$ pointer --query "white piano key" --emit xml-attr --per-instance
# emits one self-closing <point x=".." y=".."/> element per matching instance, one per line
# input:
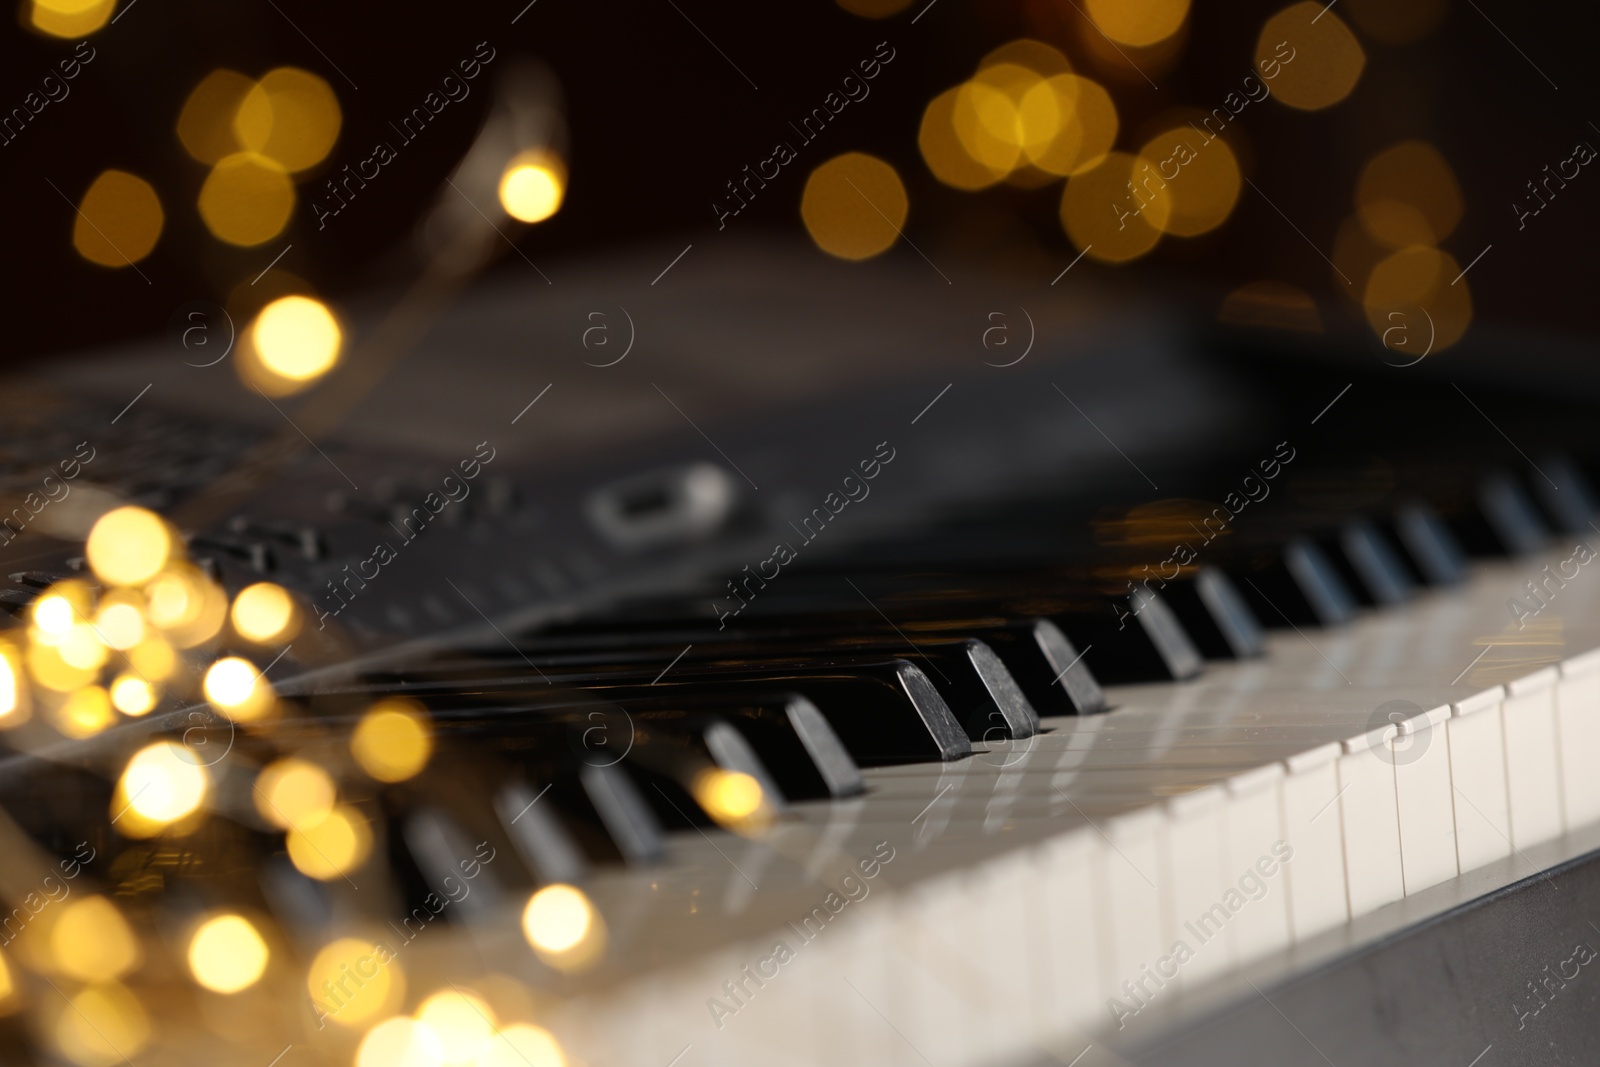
<point x="1134" y="901"/>
<point x="1371" y="816"/>
<point x="1533" y="770"/>
<point x="1074" y="947"/>
<point x="1478" y="779"/>
<point x="1421" y="756"/>
<point x="1578" y="737"/>
<point x="1253" y="822"/>
<point x="1000" y="891"/>
<point x="1197" y="857"/>
<point x="1312" y="828"/>
<point x="941" y="1017"/>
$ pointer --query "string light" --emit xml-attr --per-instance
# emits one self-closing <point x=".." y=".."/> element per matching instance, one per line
<point x="563" y="927"/>
<point x="392" y="742"/>
<point x="227" y="954"/>
<point x="128" y="546"/>
<point x="533" y="186"/>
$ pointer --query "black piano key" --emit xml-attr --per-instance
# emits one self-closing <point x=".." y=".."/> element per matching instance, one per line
<point x="630" y="822"/>
<point x="1371" y="565"/>
<point x="1298" y="586"/>
<point x="539" y="836"/>
<point x="1566" y="495"/>
<point x="1504" y="520"/>
<point x="1429" y="544"/>
<point x="1214" y="614"/>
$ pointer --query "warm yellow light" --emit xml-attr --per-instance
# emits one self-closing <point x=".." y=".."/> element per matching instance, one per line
<point x="294" y="793"/>
<point x="246" y="199"/>
<point x="53" y="615"/>
<point x="463" y="1023"/>
<point x="332" y="847"/>
<point x="1085" y="132"/>
<point x="1139" y="23"/>
<point x="943" y="150"/>
<point x="163" y="783"/>
<point x="351" y="980"/>
<point x="185" y="603"/>
<point x="119" y="220"/>
<point x="854" y="206"/>
<point x="1202" y="177"/>
<point x="91" y="941"/>
<point x="46" y="666"/>
<point x="205" y="125"/>
<point x="85" y="712"/>
<point x="234" y="687"/>
<point x="120" y="624"/>
<point x="532" y="186"/>
<point x="296" y="337"/>
<point x="153" y="659"/>
<point x="1408" y="195"/>
<point x="1113" y="213"/>
<point x="128" y="546"/>
<point x="102" y="1025"/>
<point x="172" y="599"/>
<point x="290" y="116"/>
<point x="523" y="1045"/>
<point x="1315" y="56"/>
<point x="1412" y="305"/>
<point x="71" y="18"/>
<point x="227" y="954"/>
<point x="80" y="647"/>
<point x="734" y="799"/>
<point x="400" y="1042"/>
<point x="392" y="742"/>
<point x="13" y="690"/>
<point x="8" y="986"/>
<point x="563" y="927"/>
<point x="132" y="695"/>
<point x="264" y="612"/>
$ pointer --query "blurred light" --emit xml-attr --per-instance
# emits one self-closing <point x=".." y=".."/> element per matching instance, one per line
<point x="986" y="120"/>
<point x="81" y="647"/>
<point x="1088" y="126"/>
<point x="1411" y="304"/>
<point x="290" y="116"/>
<point x="264" y="612"/>
<point x="53" y="615"/>
<point x="463" y="1023"/>
<point x="102" y="1025"/>
<point x="119" y="623"/>
<point x="294" y="793"/>
<point x="185" y="603"/>
<point x="943" y="151"/>
<point x="246" y="199"/>
<point x="854" y="206"/>
<point x="132" y="695"/>
<point x="13" y="689"/>
<point x="1271" y="305"/>
<point x="297" y="338"/>
<point x="8" y="986"/>
<point x="1101" y="212"/>
<point x="522" y="1045"/>
<point x="1202" y="178"/>
<point x="1323" y="60"/>
<point x="234" y="687"/>
<point x="393" y="741"/>
<point x="1041" y="58"/>
<point x="1355" y="253"/>
<point x="874" y="9"/>
<point x="563" y="927"/>
<point x="352" y="980"/>
<point x="118" y="221"/>
<point x="1396" y="21"/>
<point x="162" y="784"/>
<point x="734" y="799"/>
<point x="71" y="18"/>
<point x="400" y="1042"/>
<point x="1408" y="195"/>
<point x="205" y="125"/>
<point x="46" y="666"/>
<point x="128" y="546"/>
<point x="153" y="659"/>
<point x="333" y="846"/>
<point x="1139" y="23"/>
<point x="92" y="942"/>
<point x="227" y="954"/>
<point x="85" y="712"/>
<point x="532" y="186"/>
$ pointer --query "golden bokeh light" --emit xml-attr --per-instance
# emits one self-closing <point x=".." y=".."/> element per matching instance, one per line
<point x="291" y="117"/>
<point x="227" y="954"/>
<point x="8" y="987"/>
<point x="1416" y="301"/>
<point x="854" y="206"/>
<point x="1408" y="195"/>
<point x="132" y="695"/>
<point x="563" y="927"/>
<point x="1271" y="305"/>
<point x="189" y="606"/>
<point x="393" y="740"/>
<point x="128" y="546"/>
<point x="296" y="338"/>
<point x="234" y="687"/>
<point x="293" y="793"/>
<point x="331" y="847"/>
<point x="120" y="622"/>
<point x="352" y="980"/>
<point x="401" y="1042"/>
<point x="943" y="151"/>
<point x="463" y="1022"/>
<point x="246" y="199"/>
<point x="154" y="659"/>
<point x="102" y="1025"/>
<point x="532" y="186"/>
<point x="264" y="612"/>
<point x="1396" y="21"/>
<point x="1324" y="60"/>
<point x="14" y="702"/>
<point x="56" y="612"/>
<point x="1139" y="23"/>
<point x="47" y="667"/>
<point x="91" y="941"/>
<point x="874" y="9"/>
<point x="1109" y="217"/>
<point x="85" y="712"/>
<point x="205" y="125"/>
<point x="523" y="1045"/>
<point x="734" y="799"/>
<point x="1088" y="126"/>
<point x="1202" y="178"/>
<point x="70" y="18"/>
<point x="163" y="784"/>
<point x="118" y="221"/>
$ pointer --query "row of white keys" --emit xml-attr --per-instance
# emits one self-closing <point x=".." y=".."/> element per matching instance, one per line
<point x="1577" y="700"/>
